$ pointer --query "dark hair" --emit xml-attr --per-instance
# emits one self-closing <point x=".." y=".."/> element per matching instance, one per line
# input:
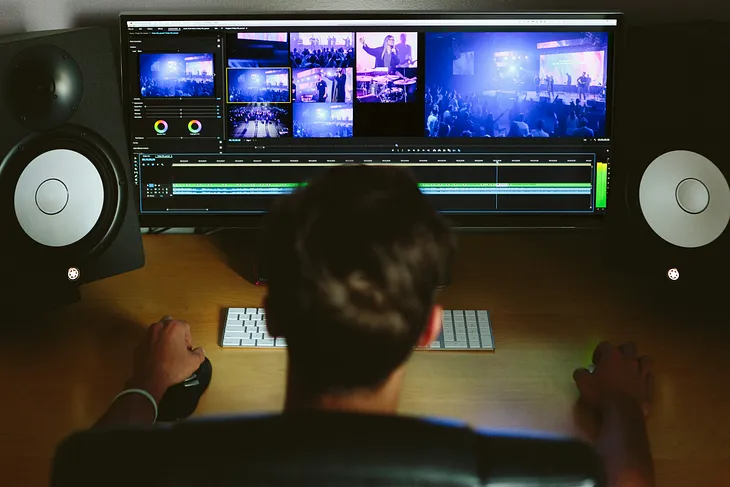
<point x="582" y="122"/>
<point x="354" y="260"/>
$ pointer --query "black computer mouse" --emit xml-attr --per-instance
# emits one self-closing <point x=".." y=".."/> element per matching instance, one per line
<point x="180" y="400"/>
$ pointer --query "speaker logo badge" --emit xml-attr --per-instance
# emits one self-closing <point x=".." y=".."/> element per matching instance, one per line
<point x="73" y="273"/>
<point x="673" y="274"/>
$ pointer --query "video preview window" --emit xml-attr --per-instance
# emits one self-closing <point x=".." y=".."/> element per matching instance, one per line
<point x="259" y="120"/>
<point x="313" y="120"/>
<point x="386" y="67"/>
<point x="322" y="85"/>
<point x="322" y="50"/>
<point x="176" y="75"/>
<point x="516" y="84"/>
<point x="258" y="85"/>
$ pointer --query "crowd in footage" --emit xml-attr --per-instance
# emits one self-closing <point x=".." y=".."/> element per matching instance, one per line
<point x="454" y="114"/>
<point x="325" y="57"/>
<point x="258" y="121"/>
<point x="258" y="95"/>
<point x="329" y="130"/>
<point x="168" y="88"/>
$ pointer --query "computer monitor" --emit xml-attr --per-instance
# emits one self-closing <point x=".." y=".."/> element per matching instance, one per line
<point x="504" y="119"/>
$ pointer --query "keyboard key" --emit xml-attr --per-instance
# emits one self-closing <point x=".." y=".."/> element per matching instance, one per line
<point x="470" y="314"/>
<point x="280" y="342"/>
<point x="252" y="311"/>
<point x="233" y="316"/>
<point x="236" y="334"/>
<point x="435" y="345"/>
<point x="257" y="336"/>
<point x="248" y="343"/>
<point x="455" y="345"/>
<point x="265" y="343"/>
<point x="231" y="342"/>
<point x="474" y="345"/>
<point x="236" y="310"/>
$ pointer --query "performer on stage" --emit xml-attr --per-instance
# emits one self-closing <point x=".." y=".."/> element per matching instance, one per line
<point x="385" y="56"/>
<point x="338" y="85"/>
<point x="321" y="89"/>
<point x="550" y="86"/>
<point x="537" y="85"/>
<point x="583" y="83"/>
<point x="405" y="52"/>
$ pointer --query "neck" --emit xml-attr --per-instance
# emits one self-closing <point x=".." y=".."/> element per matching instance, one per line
<point x="383" y="400"/>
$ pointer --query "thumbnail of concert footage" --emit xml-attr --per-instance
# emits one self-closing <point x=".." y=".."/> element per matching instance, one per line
<point x="176" y="75"/>
<point x="516" y="84"/>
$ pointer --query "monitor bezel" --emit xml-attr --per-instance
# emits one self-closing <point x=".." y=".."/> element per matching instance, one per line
<point x="488" y="221"/>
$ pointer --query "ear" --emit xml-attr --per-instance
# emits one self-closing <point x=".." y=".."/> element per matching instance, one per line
<point x="433" y="328"/>
<point x="271" y="322"/>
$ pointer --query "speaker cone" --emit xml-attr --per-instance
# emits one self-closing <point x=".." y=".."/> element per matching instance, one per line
<point x="685" y="199"/>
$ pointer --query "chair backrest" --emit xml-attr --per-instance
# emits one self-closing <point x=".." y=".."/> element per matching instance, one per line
<point x="320" y="450"/>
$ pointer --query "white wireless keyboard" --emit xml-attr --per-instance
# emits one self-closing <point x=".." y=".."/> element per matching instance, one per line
<point x="462" y="330"/>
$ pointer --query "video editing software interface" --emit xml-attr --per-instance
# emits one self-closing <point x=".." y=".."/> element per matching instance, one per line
<point x="492" y="114"/>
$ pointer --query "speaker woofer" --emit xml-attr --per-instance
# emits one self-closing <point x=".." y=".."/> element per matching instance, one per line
<point x="46" y="86"/>
<point x="685" y="199"/>
<point x="63" y="193"/>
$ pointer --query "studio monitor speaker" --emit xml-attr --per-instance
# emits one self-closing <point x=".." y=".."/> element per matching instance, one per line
<point x="67" y="212"/>
<point x="669" y="209"/>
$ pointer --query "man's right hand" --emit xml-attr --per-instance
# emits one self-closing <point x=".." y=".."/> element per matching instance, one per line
<point x="619" y="374"/>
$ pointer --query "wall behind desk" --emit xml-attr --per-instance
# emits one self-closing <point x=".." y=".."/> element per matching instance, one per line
<point x="29" y="15"/>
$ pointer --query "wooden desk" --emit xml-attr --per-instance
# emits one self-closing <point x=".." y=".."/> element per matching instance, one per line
<point x="550" y="301"/>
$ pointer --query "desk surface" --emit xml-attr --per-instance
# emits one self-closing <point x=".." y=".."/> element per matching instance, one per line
<point x="550" y="300"/>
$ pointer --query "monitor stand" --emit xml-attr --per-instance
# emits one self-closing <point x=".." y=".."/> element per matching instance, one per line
<point x="241" y="246"/>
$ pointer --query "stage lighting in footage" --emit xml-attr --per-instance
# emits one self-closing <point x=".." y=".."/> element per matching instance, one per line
<point x="257" y="49"/>
<point x="516" y="84"/>
<point x="258" y="121"/>
<point x="386" y="67"/>
<point x="315" y="120"/>
<point x="258" y="85"/>
<point x="176" y="75"/>
<point x="322" y="50"/>
<point x="322" y="85"/>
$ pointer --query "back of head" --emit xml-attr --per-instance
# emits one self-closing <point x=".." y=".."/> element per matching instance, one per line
<point x="354" y="260"/>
